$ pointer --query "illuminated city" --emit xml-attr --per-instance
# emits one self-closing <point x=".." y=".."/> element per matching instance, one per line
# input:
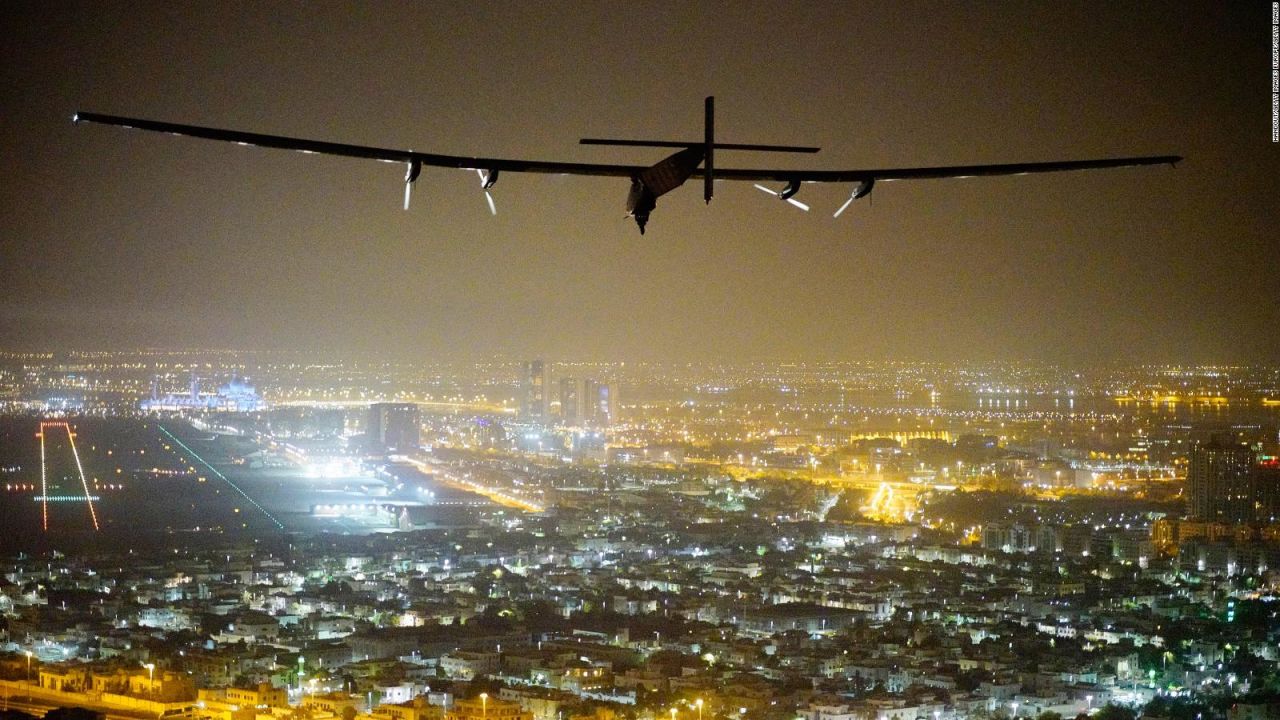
<point x="592" y="360"/>
<point x="758" y="541"/>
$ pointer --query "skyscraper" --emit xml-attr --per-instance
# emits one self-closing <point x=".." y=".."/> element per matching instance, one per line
<point x="533" y="391"/>
<point x="597" y="402"/>
<point x="1220" y="481"/>
<point x="394" y="427"/>
<point x="570" y="401"/>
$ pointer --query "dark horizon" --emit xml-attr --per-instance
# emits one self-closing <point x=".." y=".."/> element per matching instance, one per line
<point x="119" y="240"/>
<point x="516" y="356"/>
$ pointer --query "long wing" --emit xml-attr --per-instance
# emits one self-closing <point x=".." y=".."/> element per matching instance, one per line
<point x="364" y="152"/>
<point x="551" y="167"/>
<point x="934" y="173"/>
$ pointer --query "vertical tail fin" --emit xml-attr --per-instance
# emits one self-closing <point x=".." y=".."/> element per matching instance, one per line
<point x="708" y="188"/>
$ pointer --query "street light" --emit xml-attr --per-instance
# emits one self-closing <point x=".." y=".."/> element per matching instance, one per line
<point x="151" y="678"/>
<point x="28" y="676"/>
<point x="673" y="714"/>
<point x="484" y="704"/>
<point x="698" y="702"/>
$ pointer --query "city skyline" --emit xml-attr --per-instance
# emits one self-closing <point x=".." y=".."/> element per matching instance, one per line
<point x="119" y="241"/>
<point x="231" y="536"/>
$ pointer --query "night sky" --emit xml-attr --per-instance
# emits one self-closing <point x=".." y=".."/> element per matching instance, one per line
<point x="115" y="239"/>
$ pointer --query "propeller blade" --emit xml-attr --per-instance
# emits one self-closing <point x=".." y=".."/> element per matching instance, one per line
<point x="798" y="204"/>
<point x="408" y="192"/>
<point x="482" y="177"/>
<point x="493" y="209"/>
<point x="771" y="191"/>
<point x="846" y="204"/>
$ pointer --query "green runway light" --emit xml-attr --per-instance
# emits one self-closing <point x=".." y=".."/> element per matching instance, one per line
<point x="220" y="476"/>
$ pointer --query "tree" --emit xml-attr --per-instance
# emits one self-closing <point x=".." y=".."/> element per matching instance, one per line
<point x="969" y="680"/>
<point x="1177" y="709"/>
<point x="1111" y="711"/>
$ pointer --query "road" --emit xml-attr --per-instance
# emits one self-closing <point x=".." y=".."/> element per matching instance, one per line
<point x="39" y="706"/>
<point x="447" y="477"/>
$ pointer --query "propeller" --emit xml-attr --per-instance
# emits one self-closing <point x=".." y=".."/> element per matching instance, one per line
<point x="863" y="189"/>
<point x="848" y="203"/>
<point x="410" y="177"/>
<point x="487" y="179"/>
<point x="785" y="194"/>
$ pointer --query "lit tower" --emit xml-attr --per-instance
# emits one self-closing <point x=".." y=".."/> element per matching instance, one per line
<point x="1219" y="481"/>
<point x="597" y="402"/>
<point x="533" y="391"/>
<point x="394" y="427"/>
<point x="570" y="401"/>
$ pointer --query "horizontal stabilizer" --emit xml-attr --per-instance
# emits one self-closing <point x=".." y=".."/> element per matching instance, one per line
<point x="718" y="146"/>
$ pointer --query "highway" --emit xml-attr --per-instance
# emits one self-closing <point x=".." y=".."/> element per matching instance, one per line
<point x="445" y="476"/>
<point x="13" y="699"/>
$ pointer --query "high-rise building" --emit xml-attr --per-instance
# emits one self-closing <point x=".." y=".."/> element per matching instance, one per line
<point x="597" y="402"/>
<point x="394" y="427"/>
<point x="1266" y="491"/>
<point x="570" y="401"/>
<point x="533" y="391"/>
<point x="1220" y="481"/>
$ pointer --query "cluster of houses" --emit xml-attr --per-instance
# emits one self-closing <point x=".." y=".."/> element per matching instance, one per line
<point x="646" y="610"/>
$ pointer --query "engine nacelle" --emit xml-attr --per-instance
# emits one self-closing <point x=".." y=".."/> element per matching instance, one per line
<point x="411" y="174"/>
<point x="640" y="202"/>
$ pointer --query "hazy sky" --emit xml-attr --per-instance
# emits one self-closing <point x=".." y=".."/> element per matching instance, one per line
<point x="119" y="239"/>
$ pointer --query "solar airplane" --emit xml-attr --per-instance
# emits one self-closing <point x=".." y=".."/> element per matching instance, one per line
<point x="693" y="159"/>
